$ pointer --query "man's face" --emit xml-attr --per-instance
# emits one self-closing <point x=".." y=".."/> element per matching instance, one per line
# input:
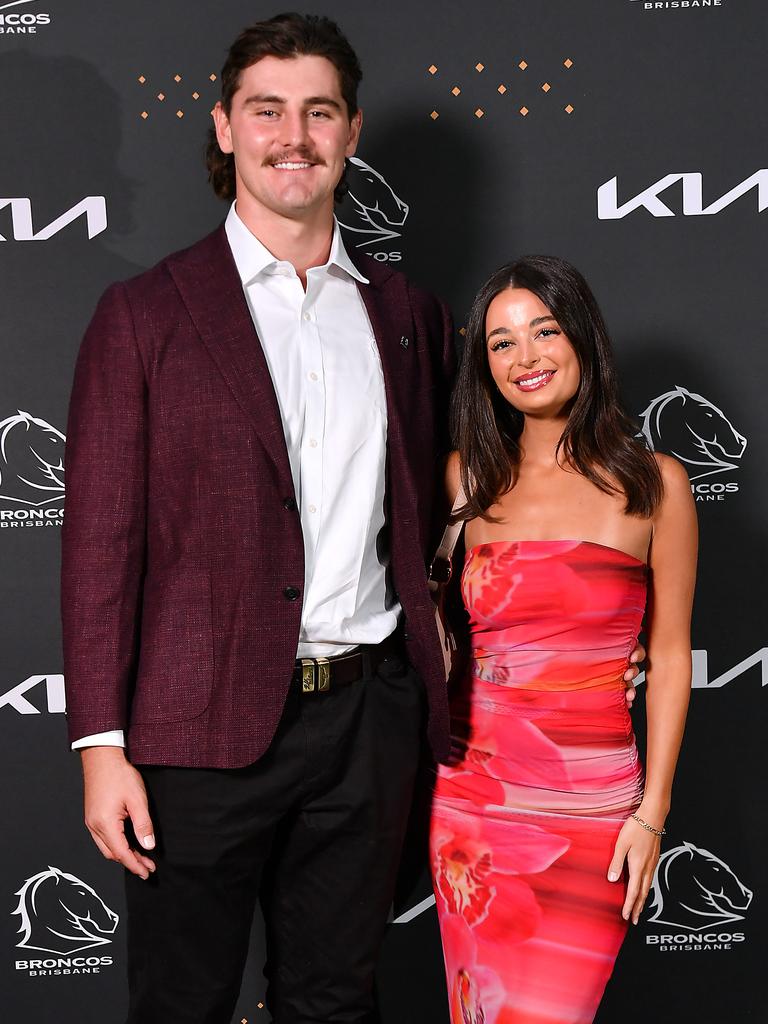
<point x="289" y="131"/>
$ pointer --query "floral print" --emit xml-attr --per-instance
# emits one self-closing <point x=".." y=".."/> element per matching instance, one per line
<point x="545" y="773"/>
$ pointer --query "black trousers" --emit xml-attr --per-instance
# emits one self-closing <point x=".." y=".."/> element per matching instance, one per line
<point x="314" y="827"/>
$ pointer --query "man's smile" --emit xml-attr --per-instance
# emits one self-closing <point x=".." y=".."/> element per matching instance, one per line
<point x="292" y="165"/>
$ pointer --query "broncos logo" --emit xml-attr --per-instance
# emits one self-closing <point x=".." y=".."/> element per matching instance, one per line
<point x="31" y="460"/>
<point x="694" y="890"/>
<point x="370" y="208"/>
<point x="61" y="914"/>
<point x="694" y="431"/>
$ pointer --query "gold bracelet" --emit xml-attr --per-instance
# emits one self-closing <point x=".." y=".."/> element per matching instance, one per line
<point x="656" y="831"/>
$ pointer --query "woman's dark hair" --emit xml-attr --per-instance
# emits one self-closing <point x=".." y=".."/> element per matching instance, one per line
<point x="284" y="36"/>
<point x="599" y="438"/>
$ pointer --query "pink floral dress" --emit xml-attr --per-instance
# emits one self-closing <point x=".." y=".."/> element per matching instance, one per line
<point x="546" y="772"/>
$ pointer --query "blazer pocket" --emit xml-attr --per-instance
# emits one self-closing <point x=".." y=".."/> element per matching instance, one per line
<point x="175" y="677"/>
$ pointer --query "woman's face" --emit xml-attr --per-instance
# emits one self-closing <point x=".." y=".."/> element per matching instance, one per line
<point x="531" y="359"/>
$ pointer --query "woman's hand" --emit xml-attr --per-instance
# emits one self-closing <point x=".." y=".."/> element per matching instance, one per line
<point x="640" y="849"/>
<point x="633" y="672"/>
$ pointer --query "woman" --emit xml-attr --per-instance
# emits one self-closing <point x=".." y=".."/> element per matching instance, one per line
<point x="545" y="835"/>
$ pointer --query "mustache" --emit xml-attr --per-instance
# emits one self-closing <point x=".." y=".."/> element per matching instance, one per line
<point x="297" y="156"/>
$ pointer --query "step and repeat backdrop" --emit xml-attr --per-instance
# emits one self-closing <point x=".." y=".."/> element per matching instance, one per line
<point x="626" y="136"/>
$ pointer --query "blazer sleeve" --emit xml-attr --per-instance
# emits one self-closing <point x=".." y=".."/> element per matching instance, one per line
<point x="446" y="381"/>
<point x="444" y="375"/>
<point x="103" y="537"/>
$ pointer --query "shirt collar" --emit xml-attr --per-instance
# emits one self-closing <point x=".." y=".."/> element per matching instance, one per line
<point x="340" y="257"/>
<point x="252" y="257"/>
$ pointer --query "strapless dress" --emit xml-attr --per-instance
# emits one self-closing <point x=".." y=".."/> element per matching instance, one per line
<point x="545" y="772"/>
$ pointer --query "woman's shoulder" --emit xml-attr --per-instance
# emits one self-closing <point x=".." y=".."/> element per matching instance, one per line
<point x="673" y="474"/>
<point x="677" y="497"/>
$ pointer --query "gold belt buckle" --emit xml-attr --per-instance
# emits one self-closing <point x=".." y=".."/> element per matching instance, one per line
<point x="315" y="671"/>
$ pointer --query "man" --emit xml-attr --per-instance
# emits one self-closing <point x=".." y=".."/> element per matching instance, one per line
<point x="252" y="450"/>
<point x="242" y="491"/>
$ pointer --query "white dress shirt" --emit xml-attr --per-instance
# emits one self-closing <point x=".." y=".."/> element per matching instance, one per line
<point x="325" y="368"/>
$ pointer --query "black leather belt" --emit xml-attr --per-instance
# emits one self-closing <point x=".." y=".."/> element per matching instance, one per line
<point x="320" y="675"/>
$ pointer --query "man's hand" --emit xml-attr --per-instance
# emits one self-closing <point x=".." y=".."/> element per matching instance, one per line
<point x="114" y="792"/>
<point x="633" y="672"/>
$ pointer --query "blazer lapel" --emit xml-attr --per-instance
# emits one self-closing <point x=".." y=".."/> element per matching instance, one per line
<point x="210" y="287"/>
<point x="388" y="306"/>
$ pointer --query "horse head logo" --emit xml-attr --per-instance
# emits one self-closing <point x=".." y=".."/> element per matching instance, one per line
<point x="694" y="890"/>
<point x="371" y="207"/>
<point x="61" y="914"/>
<point x="31" y="460"/>
<point x="694" y="431"/>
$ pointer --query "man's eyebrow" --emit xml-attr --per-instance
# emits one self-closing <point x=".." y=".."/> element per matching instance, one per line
<point x="263" y="98"/>
<point x="310" y="101"/>
<point x="322" y="101"/>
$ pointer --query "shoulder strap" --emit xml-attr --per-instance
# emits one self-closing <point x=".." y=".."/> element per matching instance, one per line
<point x="441" y="568"/>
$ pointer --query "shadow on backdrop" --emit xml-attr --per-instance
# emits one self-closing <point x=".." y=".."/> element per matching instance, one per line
<point x="440" y="233"/>
<point x="61" y="130"/>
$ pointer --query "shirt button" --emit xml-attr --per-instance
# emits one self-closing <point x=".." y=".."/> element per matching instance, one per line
<point x="289" y="504"/>
<point x="290" y="593"/>
<point x="307" y="316"/>
<point x="313" y="376"/>
<point x="312" y="443"/>
<point x="313" y="508"/>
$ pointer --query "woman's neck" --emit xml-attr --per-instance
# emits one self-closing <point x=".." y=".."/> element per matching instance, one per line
<point x="539" y="441"/>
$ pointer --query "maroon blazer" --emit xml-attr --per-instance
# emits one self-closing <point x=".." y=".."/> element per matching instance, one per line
<point x="182" y="545"/>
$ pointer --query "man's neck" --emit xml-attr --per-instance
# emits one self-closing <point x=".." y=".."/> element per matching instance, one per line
<point x="302" y="242"/>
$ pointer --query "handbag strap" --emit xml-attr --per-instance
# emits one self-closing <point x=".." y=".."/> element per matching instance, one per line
<point x="437" y="578"/>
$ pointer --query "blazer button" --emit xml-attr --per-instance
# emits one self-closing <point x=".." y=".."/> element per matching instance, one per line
<point x="290" y="593"/>
<point x="289" y="504"/>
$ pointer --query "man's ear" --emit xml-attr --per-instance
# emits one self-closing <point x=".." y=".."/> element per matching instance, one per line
<point x="355" y="127"/>
<point x="223" y="129"/>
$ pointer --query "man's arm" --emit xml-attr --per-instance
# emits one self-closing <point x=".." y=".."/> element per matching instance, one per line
<point x="103" y="558"/>
<point x="447" y="378"/>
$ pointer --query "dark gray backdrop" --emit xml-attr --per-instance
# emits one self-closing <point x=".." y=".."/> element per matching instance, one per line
<point x="611" y="89"/>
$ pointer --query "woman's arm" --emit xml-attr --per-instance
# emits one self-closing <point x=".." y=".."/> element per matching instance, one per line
<point x="668" y="672"/>
<point x="668" y="677"/>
